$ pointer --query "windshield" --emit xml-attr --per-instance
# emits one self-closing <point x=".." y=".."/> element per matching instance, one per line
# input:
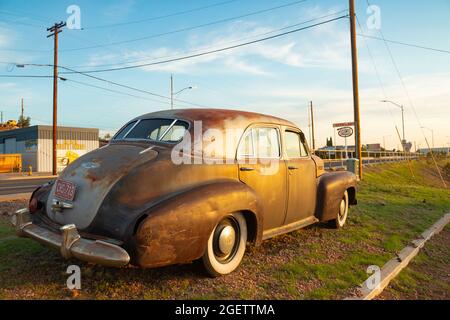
<point x="167" y="130"/>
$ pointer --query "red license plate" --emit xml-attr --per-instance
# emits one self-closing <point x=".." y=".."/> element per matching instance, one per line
<point x="65" y="190"/>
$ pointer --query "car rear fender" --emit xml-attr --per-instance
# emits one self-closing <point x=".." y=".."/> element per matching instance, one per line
<point x="330" y="189"/>
<point x="177" y="230"/>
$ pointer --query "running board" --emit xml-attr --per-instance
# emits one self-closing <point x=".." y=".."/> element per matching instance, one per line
<point x="289" y="227"/>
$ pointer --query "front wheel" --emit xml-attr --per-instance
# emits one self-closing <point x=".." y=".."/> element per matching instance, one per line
<point x="226" y="245"/>
<point x="342" y="214"/>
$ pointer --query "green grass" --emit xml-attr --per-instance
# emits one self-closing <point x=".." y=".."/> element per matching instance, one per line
<point x="393" y="209"/>
<point x="5" y="229"/>
<point x="427" y="275"/>
<point x="314" y="263"/>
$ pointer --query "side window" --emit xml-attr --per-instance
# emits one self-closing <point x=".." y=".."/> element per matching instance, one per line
<point x="303" y="147"/>
<point x="260" y="143"/>
<point x="176" y="133"/>
<point x="293" y="144"/>
<point x="246" y="147"/>
<point x="266" y="142"/>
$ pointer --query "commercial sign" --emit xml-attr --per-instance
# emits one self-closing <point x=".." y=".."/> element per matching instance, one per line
<point x="67" y="152"/>
<point x="343" y="124"/>
<point x="345" y="132"/>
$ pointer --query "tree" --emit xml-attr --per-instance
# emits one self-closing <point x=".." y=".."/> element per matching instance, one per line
<point x="329" y="142"/>
<point x="23" y="122"/>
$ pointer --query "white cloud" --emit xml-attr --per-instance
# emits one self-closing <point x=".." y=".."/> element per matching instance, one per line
<point x="326" y="46"/>
<point x="429" y="93"/>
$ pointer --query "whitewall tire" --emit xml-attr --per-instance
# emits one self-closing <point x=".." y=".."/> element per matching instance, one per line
<point x="226" y="245"/>
<point x="342" y="214"/>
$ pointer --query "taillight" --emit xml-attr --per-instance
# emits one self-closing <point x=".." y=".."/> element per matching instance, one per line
<point x="33" y="205"/>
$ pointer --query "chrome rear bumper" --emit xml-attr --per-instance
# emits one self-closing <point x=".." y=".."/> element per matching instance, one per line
<point x="70" y="243"/>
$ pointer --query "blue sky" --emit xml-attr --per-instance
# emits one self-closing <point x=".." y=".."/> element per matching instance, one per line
<point x="277" y="77"/>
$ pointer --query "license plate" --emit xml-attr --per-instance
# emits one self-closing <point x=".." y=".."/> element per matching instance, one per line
<point x="65" y="190"/>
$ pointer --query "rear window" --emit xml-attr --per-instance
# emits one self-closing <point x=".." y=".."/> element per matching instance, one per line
<point x="167" y="130"/>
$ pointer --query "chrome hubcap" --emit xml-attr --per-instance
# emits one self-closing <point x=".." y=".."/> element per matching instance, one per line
<point x="226" y="240"/>
<point x="227" y="237"/>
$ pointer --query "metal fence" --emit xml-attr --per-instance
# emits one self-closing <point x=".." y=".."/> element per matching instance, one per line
<point x="337" y="159"/>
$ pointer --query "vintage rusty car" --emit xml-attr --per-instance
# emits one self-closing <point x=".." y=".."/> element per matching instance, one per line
<point x="170" y="189"/>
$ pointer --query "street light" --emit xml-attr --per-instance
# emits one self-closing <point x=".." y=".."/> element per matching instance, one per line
<point x="178" y="92"/>
<point x="432" y="135"/>
<point x="384" y="141"/>
<point x="403" y="116"/>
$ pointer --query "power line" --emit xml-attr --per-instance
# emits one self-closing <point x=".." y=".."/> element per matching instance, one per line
<point x="380" y="82"/>
<point x="26" y="50"/>
<point x="86" y="73"/>
<point x="160" y="17"/>
<point x="21" y="15"/>
<point x="110" y="90"/>
<point x="187" y="28"/>
<point x="214" y="51"/>
<point x="160" y="34"/>
<point x="22" y="23"/>
<point x="23" y="76"/>
<point x="73" y="71"/>
<point x="409" y="100"/>
<point x="404" y="43"/>
<point x="212" y="47"/>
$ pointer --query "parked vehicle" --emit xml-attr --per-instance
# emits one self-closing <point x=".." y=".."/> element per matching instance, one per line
<point x="157" y="195"/>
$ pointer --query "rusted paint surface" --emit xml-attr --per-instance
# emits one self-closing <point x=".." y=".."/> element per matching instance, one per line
<point x="330" y="190"/>
<point x="94" y="175"/>
<point x="133" y="194"/>
<point x="176" y="230"/>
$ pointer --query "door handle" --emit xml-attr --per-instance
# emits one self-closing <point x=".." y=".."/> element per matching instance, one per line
<point x="246" y="169"/>
<point x="292" y="168"/>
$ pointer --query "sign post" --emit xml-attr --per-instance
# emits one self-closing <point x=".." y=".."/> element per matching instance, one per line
<point x="345" y="130"/>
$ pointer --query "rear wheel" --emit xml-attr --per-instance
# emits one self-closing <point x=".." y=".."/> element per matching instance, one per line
<point x="226" y="245"/>
<point x="342" y="214"/>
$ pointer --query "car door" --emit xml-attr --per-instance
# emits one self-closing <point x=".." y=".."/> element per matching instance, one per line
<point x="301" y="176"/>
<point x="261" y="168"/>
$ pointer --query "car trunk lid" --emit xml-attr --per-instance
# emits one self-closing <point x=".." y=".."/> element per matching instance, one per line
<point x="93" y="175"/>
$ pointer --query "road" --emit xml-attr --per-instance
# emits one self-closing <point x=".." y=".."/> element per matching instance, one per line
<point x="21" y="185"/>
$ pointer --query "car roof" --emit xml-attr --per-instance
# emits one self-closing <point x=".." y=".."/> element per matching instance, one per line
<point x="218" y="118"/>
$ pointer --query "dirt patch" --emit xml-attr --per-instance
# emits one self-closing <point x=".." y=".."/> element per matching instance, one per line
<point x="7" y="207"/>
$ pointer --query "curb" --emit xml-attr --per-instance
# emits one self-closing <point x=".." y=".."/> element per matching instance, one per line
<point x="28" y="178"/>
<point x="16" y="196"/>
<point x="393" y="267"/>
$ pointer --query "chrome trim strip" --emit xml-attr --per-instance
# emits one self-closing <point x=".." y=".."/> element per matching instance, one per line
<point x="128" y="132"/>
<point x="70" y="243"/>
<point x="289" y="227"/>
<point x="167" y="130"/>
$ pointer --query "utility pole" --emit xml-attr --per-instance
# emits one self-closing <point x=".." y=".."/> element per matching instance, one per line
<point x="54" y="30"/>
<point x="21" y="125"/>
<point x="309" y="127"/>
<point x="403" y="123"/>
<point x="171" y="91"/>
<point x="1" y="121"/>
<point x="312" y="127"/>
<point x="355" y="85"/>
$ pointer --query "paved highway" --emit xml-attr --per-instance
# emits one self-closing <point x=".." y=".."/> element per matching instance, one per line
<point x="21" y="185"/>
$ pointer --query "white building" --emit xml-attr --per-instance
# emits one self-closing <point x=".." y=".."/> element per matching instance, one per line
<point x="35" y="145"/>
